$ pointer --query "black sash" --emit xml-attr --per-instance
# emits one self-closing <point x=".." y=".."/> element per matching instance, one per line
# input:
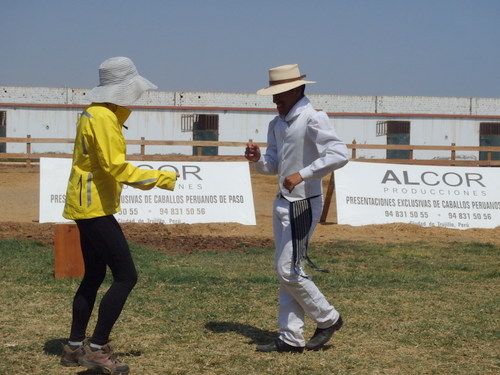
<point x="301" y="222"/>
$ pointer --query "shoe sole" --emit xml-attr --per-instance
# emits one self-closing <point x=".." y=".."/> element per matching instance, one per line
<point x="66" y="363"/>
<point x="280" y="351"/>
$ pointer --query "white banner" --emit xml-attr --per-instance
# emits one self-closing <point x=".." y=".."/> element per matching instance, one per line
<point x="206" y="192"/>
<point x="430" y="196"/>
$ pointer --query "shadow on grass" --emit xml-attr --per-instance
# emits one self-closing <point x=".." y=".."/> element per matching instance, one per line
<point x="55" y="347"/>
<point x="257" y="336"/>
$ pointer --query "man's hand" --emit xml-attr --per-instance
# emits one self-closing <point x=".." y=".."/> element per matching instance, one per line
<point x="292" y="181"/>
<point x="252" y="152"/>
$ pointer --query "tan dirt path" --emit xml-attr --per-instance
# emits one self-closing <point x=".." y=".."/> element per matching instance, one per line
<point x="19" y="196"/>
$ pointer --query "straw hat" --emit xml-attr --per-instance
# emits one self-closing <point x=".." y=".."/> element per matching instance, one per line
<point x="283" y="78"/>
<point x="119" y="83"/>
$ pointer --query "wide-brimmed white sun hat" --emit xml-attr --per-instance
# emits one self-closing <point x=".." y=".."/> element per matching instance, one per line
<point x="284" y="78"/>
<point x="119" y="83"/>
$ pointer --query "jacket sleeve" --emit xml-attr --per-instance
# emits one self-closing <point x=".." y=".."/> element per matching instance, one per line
<point x="268" y="163"/>
<point x="333" y="153"/>
<point x="110" y="149"/>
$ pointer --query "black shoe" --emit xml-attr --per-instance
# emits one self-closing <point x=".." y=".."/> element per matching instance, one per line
<point x="323" y="335"/>
<point x="281" y="347"/>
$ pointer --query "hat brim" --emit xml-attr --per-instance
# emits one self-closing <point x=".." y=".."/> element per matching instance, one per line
<point x="122" y="94"/>
<point x="278" y="89"/>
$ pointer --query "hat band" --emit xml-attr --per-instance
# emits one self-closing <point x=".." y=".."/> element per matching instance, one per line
<point x="274" y="83"/>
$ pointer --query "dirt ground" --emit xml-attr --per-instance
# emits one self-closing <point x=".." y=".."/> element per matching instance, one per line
<point x="19" y="205"/>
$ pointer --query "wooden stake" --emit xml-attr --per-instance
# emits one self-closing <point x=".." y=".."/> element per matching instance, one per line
<point x="328" y="199"/>
<point x="68" y="259"/>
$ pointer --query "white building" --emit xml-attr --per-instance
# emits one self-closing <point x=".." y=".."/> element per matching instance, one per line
<point x="53" y="113"/>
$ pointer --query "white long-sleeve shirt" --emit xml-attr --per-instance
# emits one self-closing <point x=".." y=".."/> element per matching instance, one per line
<point x="303" y="141"/>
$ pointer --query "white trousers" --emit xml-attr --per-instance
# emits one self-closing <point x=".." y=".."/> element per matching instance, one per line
<point x="298" y="294"/>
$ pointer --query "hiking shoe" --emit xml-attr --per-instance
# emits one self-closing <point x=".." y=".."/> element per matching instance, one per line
<point x="71" y="355"/>
<point x="104" y="360"/>
<point x="323" y="335"/>
<point x="279" y="346"/>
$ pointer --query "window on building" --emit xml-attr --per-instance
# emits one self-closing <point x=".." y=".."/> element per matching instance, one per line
<point x="193" y="122"/>
<point x="489" y="135"/>
<point x="187" y="122"/>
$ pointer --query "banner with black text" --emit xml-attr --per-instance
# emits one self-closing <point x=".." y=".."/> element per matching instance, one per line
<point x="430" y="196"/>
<point x="206" y="192"/>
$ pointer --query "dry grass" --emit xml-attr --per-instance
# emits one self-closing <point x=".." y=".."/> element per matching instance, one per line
<point x="414" y="308"/>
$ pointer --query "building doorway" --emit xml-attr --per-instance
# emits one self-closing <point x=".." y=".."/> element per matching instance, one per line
<point x="398" y="133"/>
<point x="3" y="130"/>
<point x="204" y="128"/>
<point x="489" y="135"/>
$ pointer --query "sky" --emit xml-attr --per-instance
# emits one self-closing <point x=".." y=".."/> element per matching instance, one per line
<point x="445" y="48"/>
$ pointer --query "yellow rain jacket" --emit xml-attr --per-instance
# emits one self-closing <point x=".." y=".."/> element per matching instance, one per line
<point x="99" y="168"/>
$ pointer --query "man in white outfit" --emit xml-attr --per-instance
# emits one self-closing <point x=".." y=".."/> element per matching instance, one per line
<point x="302" y="147"/>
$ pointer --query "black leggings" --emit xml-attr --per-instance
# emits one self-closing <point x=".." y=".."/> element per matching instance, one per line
<point x="103" y="244"/>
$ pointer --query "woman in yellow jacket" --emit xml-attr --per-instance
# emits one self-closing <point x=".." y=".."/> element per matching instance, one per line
<point x="93" y="195"/>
